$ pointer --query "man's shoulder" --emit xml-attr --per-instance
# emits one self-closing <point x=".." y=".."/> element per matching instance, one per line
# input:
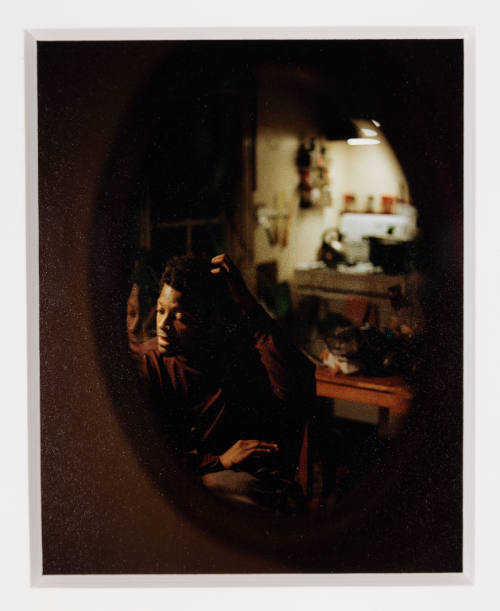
<point x="139" y="350"/>
<point x="157" y="368"/>
<point x="150" y="354"/>
<point x="149" y="345"/>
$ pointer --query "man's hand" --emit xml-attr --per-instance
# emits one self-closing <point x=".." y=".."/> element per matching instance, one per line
<point x="244" y="448"/>
<point x="222" y="264"/>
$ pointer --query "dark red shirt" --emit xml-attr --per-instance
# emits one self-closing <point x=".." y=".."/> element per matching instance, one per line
<point x="256" y="386"/>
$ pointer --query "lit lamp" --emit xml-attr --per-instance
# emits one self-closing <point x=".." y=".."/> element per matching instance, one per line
<point x="366" y="133"/>
<point x="356" y="132"/>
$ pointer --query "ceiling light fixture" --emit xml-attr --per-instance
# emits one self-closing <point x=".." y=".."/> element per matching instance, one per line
<point x="362" y="141"/>
<point x="353" y="131"/>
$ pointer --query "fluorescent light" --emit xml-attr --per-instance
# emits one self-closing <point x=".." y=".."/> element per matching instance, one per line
<point x="376" y="123"/>
<point x="362" y="141"/>
<point x="368" y="132"/>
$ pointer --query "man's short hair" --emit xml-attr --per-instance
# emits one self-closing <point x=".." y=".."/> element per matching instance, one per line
<point x="201" y="290"/>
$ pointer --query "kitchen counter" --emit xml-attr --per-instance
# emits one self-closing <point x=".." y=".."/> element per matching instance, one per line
<point x="330" y="280"/>
<point x="331" y="288"/>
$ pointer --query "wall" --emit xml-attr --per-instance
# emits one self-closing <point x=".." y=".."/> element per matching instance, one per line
<point x="286" y="116"/>
<point x="366" y="170"/>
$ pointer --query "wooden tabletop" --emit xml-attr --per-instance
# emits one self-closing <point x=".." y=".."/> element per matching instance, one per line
<point x="389" y="391"/>
<point x="393" y="384"/>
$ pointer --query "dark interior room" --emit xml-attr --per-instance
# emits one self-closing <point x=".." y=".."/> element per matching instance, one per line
<point x="331" y="173"/>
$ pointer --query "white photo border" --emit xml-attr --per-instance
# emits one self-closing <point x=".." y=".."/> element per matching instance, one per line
<point x="467" y="34"/>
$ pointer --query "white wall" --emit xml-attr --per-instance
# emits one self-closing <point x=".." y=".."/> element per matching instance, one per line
<point x="286" y="116"/>
<point x="366" y="170"/>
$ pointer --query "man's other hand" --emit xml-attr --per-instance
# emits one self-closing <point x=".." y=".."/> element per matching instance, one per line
<point x="244" y="448"/>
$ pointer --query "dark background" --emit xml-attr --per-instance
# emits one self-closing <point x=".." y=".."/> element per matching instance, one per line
<point x="107" y="505"/>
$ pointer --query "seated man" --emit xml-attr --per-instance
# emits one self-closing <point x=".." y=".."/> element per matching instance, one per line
<point x="232" y="392"/>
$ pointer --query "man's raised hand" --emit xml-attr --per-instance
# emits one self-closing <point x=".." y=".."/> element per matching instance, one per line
<point x="222" y="264"/>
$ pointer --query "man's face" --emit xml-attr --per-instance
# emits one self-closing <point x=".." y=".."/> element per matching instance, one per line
<point x="178" y="328"/>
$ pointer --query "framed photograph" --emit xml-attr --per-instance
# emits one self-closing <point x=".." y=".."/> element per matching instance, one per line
<point x="300" y="411"/>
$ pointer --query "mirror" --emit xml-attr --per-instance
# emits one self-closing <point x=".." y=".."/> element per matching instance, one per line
<point x="205" y="161"/>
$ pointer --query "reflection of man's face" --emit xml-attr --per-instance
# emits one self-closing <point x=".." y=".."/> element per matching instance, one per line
<point x="133" y="311"/>
<point x="177" y="327"/>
